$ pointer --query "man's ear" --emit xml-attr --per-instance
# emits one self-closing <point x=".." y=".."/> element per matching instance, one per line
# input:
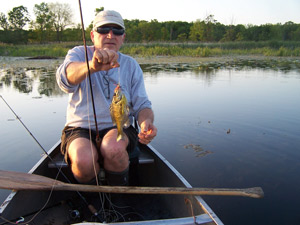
<point x="92" y="36"/>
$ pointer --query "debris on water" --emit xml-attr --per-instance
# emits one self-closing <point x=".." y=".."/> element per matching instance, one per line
<point x="200" y="152"/>
<point x="41" y="57"/>
<point x="228" y="131"/>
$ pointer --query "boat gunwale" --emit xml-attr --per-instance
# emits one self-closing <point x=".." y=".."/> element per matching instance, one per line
<point x="199" y="199"/>
<point x="10" y="197"/>
<point x="207" y="210"/>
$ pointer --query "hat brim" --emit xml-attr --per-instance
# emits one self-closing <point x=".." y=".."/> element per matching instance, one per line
<point x="101" y="23"/>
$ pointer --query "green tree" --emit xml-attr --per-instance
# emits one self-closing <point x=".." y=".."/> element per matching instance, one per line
<point x="196" y="31"/>
<point x="288" y="29"/>
<point x="295" y="35"/>
<point x="234" y="33"/>
<point x="3" y="21"/>
<point x="150" y="31"/>
<point x="18" y="17"/>
<point x="252" y="33"/>
<point x="229" y="34"/>
<point x="276" y="32"/>
<point x="44" y="20"/>
<point x="203" y="30"/>
<point x="63" y="17"/>
<point x="74" y="34"/>
<point x="133" y="33"/>
<point x="208" y="29"/>
<point x="177" y="28"/>
<point x="97" y="10"/>
<point x="165" y="33"/>
<point x="265" y="32"/>
<point x="219" y="31"/>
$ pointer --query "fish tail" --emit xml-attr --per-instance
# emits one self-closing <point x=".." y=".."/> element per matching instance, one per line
<point x="120" y="137"/>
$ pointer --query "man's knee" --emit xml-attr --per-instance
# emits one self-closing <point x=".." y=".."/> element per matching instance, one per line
<point x="114" y="153"/>
<point x="81" y="154"/>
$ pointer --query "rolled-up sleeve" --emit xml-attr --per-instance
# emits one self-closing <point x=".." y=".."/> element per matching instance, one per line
<point x="74" y="55"/>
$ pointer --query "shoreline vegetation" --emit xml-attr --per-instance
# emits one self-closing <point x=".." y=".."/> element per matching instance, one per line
<point x="165" y="49"/>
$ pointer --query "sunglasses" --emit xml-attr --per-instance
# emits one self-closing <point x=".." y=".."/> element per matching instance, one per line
<point x="115" y="30"/>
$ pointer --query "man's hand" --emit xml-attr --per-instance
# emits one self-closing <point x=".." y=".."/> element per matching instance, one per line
<point x="148" y="132"/>
<point x="104" y="59"/>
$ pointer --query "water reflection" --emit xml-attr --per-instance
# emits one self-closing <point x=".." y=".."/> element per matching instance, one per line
<point x="24" y="79"/>
<point x="239" y="64"/>
<point x="221" y="124"/>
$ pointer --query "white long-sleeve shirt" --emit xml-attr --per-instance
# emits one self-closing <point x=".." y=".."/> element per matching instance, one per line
<point x="80" y="110"/>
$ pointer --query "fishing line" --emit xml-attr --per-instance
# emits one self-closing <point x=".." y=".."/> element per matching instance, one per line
<point x="92" y="95"/>
<point x="21" y="220"/>
<point x="5" y="221"/>
<point x="119" y="75"/>
<point x="46" y="153"/>
<point x="18" y="118"/>
<point x="89" y="72"/>
<point x="98" y="140"/>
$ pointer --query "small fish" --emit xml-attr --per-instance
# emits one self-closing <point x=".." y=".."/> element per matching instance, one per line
<point x="119" y="111"/>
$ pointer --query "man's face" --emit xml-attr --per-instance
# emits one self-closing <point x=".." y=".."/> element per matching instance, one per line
<point x="109" y="40"/>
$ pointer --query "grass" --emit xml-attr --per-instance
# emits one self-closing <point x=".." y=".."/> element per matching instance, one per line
<point x="270" y="48"/>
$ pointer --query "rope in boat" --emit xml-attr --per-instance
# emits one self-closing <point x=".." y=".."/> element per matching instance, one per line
<point x="88" y="68"/>
<point x="98" y="141"/>
<point x="46" y="153"/>
<point x="21" y="220"/>
<point x="102" y="196"/>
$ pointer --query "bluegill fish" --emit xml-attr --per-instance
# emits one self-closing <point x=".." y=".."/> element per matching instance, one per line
<point x="119" y="111"/>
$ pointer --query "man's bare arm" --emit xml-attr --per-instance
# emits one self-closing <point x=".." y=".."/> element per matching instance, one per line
<point x="103" y="59"/>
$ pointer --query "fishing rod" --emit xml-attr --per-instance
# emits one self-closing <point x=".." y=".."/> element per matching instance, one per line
<point x="91" y="208"/>
<point x="18" y="118"/>
<point x="98" y="141"/>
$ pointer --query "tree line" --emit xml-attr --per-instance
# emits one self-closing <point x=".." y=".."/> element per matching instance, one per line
<point x="53" y="23"/>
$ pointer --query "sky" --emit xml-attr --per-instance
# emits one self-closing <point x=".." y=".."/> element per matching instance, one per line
<point x="255" y="12"/>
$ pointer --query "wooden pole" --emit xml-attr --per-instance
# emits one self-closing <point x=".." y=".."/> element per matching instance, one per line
<point x="24" y="181"/>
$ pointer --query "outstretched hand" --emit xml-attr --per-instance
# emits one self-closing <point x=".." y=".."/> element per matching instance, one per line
<point x="104" y="59"/>
<point x="147" y="132"/>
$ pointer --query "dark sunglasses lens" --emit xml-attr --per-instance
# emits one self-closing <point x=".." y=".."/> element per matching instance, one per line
<point x="118" y="31"/>
<point x="105" y="30"/>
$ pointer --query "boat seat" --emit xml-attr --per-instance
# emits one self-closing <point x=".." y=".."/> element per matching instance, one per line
<point x="58" y="160"/>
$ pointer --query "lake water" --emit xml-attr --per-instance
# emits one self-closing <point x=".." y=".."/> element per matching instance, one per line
<point x="221" y="124"/>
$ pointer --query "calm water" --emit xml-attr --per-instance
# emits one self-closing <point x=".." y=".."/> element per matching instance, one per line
<point x="222" y="124"/>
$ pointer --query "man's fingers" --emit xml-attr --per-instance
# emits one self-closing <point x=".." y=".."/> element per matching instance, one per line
<point x="114" y="60"/>
<point x="105" y="59"/>
<point x="115" y="64"/>
<point x="102" y="56"/>
<point x="106" y="56"/>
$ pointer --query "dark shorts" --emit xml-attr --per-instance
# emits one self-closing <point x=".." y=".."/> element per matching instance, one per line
<point x="71" y="133"/>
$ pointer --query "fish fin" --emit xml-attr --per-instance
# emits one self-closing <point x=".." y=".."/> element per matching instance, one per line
<point x="127" y="123"/>
<point x="112" y="117"/>
<point x="120" y="137"/>
<point x="113" y="120"/>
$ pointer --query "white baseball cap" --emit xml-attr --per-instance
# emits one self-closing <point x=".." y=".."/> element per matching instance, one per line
<point x="108" y="17"/>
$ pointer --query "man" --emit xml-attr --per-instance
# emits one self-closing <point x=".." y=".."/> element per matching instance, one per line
<point x="108" y="67"/>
